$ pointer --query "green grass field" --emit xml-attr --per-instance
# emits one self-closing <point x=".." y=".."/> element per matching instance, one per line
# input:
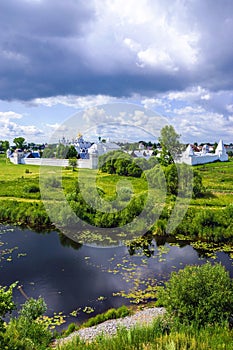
<point x="21" y="184"/>
<point x="218" y="181"/>
<point x="217" y="178"/>
<point x="14" y="179"/>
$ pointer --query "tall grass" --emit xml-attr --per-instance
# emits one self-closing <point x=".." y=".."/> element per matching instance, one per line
<point x="156" y="337"/>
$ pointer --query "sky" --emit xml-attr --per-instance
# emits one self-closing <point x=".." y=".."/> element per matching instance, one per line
<point x="115" y="62"/>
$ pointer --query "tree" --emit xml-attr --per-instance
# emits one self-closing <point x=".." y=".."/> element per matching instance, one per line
<point x="4" y="145"/>
<point x="171" y="146"/>
<point x="171" y="175"/>
<point x="19" y="142"/>
<point x="73" y="162"/>
<point x="72" y="153"/>
<point x="49" y="152"/>
<point x="215" y="146"/>
<point x="61" y="151"/>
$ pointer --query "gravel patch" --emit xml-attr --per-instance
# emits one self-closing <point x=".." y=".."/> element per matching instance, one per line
<point x="142" y="317"/>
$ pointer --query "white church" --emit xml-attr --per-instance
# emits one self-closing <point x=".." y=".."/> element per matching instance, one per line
<point x="194" y="158"/>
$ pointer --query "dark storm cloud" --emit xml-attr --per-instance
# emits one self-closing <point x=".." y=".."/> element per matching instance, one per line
<point x="35" y="54"/>
<point x="57" y="47"/>
<point x="214" y="21"/>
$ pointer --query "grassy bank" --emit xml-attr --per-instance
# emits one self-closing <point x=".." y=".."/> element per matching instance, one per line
<point x="157" y="337"/>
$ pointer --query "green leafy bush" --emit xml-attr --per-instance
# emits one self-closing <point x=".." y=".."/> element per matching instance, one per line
<point x="52" y="181"/>
<point x="32" y="189"/>
<point x="125" y="193"/>
<point x="6" y="302"/>
<point x="33" y="308"/>
<point x="199" y="294"/>
<point x="25" y="332"/>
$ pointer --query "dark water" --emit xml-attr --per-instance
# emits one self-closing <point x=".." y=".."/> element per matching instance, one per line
<point x="70" y="277"/>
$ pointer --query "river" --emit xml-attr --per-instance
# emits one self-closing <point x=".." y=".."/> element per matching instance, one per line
<point x="71" y="277"/>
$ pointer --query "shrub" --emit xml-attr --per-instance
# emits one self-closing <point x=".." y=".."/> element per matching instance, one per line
<point x="52" y="181"/>
<point x="31" y="189"/>
<point x="125" y="193"/>
<point x="33" y="309"/>
<point x="23" y="334"/>
<point x="6" y="302"/>
<point x="26" y="332"/>
<point x="199" y="294"/>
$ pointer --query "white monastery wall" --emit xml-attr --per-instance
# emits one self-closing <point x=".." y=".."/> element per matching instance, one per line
<point x="81" y="163"/>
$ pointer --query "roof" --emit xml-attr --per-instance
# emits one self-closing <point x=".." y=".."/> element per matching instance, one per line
<point x="189" y="151"/>
<point x="220" y="147"/>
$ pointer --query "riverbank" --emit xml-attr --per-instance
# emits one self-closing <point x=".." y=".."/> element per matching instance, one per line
<point x="157" y="336"/>
<point x="109" y="328"/>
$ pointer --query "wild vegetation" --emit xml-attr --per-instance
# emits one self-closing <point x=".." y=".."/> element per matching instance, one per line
<point x="198" y="303"/>
<point x="209" y="215"/>
<point x="28" y="330"/>
<point x="157" y="337"/>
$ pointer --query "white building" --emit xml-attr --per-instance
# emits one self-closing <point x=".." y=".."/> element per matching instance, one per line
<point x="103" y="147"/>
<point x="80" y="145"/>
<point x="141" y="153"/>
<point x="89" y="161"/>
<point x="194" y="158"/>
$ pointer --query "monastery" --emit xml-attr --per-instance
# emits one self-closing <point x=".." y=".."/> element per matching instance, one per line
<point x="89" y="154"/>
<point x="194" y="158"/>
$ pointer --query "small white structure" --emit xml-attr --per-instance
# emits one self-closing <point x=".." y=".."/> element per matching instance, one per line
<point x="194" y="158"/>
<point x="141" y="153"/>
<point x="8" y="153"/>
<point x="17" y="156"/>
<point x="103" y="147"/>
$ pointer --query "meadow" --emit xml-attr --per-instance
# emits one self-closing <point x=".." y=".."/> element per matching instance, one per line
<point x="208" y="216"/>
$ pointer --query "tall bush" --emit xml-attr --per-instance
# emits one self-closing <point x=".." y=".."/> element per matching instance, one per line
<point x="199" y="294"/>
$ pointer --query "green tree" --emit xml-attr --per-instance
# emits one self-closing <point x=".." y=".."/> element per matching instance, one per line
<point x="4" y="145"/>
<point x="61" y="151"/>
<point x="171" y="175"/>
<point x="19" y="142"/>
<point x="73" y="163"/>
<point x="134" y="170"/>
<point x="198" y="188"/>
<point x="142" y="163"/>
<point x="171" y="146"/>
<point x="72" y="153"/>
<point x="198" y="294"/>
<point x="49" y="152"/>
<point x="215" y="146"/>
